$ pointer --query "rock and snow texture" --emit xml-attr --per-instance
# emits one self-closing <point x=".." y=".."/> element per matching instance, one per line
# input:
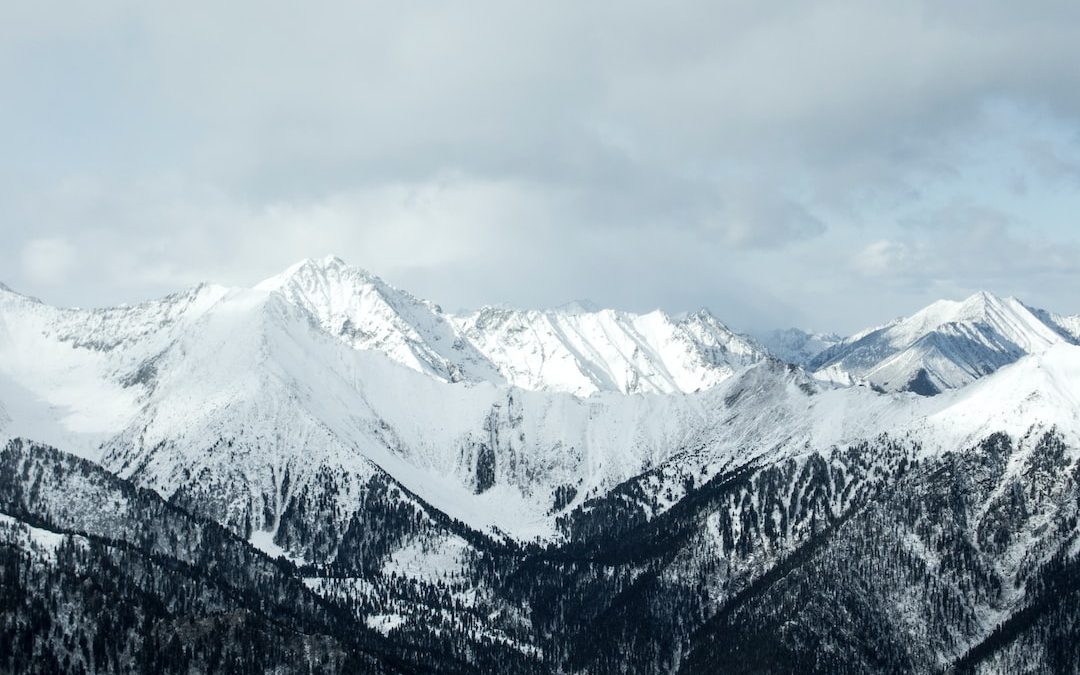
<point x="583" y="351"/>
<point x="944" y="346"/>
<point x="1067" y="326"/>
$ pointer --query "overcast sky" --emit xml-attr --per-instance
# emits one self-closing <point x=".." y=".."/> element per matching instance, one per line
<point x="828" y="165"/>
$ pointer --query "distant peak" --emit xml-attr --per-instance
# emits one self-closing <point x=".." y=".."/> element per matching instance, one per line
<point x="582" y="306"/>
<point x="332" y="261"/>
<point x="319" y="267"/>
<point x="329" y="262"/>
<point x="705" y="316"/>
<point x="978" y="305"/>
<point x="796" y="333"/>
<point x="982" y="299"/>
<point x="975" y="307"/>
<point x="8" y="289"/>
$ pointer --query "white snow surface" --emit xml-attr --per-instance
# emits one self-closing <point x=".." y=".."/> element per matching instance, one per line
<point x="237" y="385"/>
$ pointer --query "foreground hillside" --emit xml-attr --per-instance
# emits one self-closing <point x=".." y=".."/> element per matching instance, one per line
<point x="863" y="559"/>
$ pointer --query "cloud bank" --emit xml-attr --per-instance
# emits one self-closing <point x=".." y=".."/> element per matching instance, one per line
<point x="829" y="164"/>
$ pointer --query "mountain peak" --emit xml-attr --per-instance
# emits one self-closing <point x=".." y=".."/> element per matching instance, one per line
<point x="948" y="342"/>
<point x="977" y="307"/>
<point x="703" y="314"/>
<point x="8" y="289"/>
<point x="981" y="302"/>
<point x="319" y="267"/>
<point x="581" y="306"/>
<point x="795" y="345"/>
<point x="365" y="312"/>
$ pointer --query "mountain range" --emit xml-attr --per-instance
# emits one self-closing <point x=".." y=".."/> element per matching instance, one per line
<point x="329" y="465"/>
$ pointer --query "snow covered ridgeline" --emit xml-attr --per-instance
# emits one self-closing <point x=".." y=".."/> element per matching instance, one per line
<point x="582" y="349"/>
<point x="572" y="349"/>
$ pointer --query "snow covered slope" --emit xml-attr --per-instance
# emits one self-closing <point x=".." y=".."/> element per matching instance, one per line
<point x="367" y="313"/>
<point x="1038" y="391"/>
<point x="1070" y="324"/>
<point x="796" y="346"/>
<point x="73" y="377"/>
<point x="1067" y="326"/>
<point x="946" y="345"/>
<point x="583" y="352"/>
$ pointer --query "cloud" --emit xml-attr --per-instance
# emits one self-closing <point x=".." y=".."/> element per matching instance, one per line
<point x="968" y="247"/>
<point x="1051" y="164"/>
<point x="680" y="154"/>
<point x="47" y="261"/>
<point x="756" y="219"/>
<point x="884" y="258"/>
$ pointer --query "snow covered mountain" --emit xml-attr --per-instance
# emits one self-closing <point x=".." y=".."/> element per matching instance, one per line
<point x="945" y="345"/>
<point x="527" y="489"/>
<point x="237" y="402"/>
<point x="796" y="346"/>
<point x="251" y="405"/>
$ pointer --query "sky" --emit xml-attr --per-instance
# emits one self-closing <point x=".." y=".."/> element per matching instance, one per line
<point x="829" y="165"/>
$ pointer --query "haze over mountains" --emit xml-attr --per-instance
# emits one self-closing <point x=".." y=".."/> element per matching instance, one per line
<point x="489" y="489"/>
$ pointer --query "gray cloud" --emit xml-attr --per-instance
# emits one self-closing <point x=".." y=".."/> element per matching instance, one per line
<point x="961" y="248"/>
<point x="759" y="159"/>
